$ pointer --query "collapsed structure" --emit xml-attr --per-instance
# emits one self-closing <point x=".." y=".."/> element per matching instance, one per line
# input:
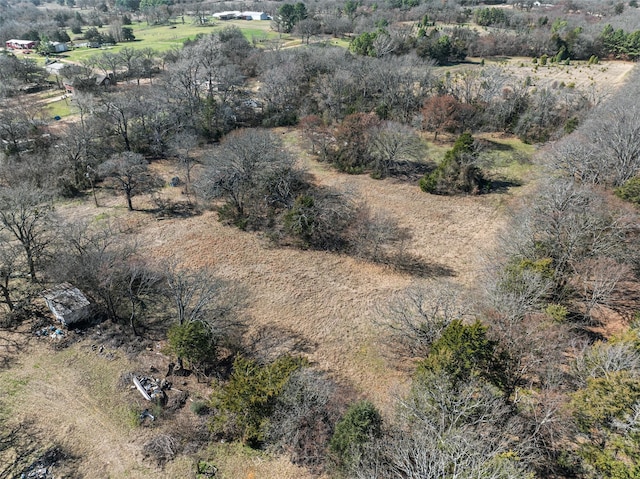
<point x="67" y="303"/>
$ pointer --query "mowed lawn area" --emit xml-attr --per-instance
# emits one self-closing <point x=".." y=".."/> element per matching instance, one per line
<point x="164" y="37"/>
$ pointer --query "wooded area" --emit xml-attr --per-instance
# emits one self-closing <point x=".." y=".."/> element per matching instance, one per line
<point x="365" y="241"/>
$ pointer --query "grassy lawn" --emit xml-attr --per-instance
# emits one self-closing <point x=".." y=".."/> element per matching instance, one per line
<point x="164" y="37"/>
<point x="508" y="157"/>
<point x="61" y="108"/>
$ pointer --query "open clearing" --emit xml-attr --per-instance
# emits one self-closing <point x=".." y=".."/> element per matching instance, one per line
<point x="598" y="80"/>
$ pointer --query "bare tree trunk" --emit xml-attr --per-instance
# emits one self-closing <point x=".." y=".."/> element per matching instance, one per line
<point x="7" y="296"/>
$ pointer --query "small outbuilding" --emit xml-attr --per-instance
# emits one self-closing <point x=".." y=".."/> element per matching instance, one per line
<point x="20" y="44"/>
<point x="59" y="47"/>
<point x="237" y="15"/>
<point x="68" y="304"/>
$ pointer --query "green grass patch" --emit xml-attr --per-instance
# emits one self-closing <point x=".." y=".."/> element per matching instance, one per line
<point x="61" y="108"/>
<point x="436" y="151"/>
<point x="11" y="389"/>
<point x="165" y="37"/>
<point x="340" y="42"/>
<point x="507" y="158"/>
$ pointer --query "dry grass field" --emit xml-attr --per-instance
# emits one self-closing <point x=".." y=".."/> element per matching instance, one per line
<point x="598" y="80"/>
<point x="324" y="303"/>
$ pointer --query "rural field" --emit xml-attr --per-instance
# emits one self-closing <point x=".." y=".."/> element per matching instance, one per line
<point x="376" y="256"/>
<point x="324" y="304"/>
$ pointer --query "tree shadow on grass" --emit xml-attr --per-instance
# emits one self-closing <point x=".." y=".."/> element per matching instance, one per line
<point x="9" y="351"/>
<point x="167" y="209"/>
<point x="267" y="343"/>
<point x="415" y="265"/>
<point x="422" y="269"/>
<point x="22" y="453"/>
<point x="409" y="171"/>
<point x="502" y="185"/>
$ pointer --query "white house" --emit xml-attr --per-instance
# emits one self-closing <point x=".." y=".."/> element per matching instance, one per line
<point x="238" y="15"/>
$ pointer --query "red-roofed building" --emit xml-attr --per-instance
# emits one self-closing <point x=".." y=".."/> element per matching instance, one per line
<point x="20" y="44"/>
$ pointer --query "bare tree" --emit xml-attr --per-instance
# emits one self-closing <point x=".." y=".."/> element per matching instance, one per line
<point x="131" y="59"/>
<point x="377" y="236"/>
<point x="129" y="171"/>
<point x="614" y="129"/>
<point x="576" y="157"/>
<point x="107" y="265"/>
<point x="303" y="418"/>
<point x="193" y="292"/>
<point x="117" y="112"/>
<point x="201" y="296"/>
<point x="25" y="215"/>
<point x="383" y="44"/>
<point x="17" y="119"/>
<point x="183" y="145"/>
<point x="601" y="359"/>
<point x="394" y="143"/>
<point x="9" y="265"/>
<point x="597" y="279"/>
<point x="446" y="431"/>
<point x="307" y="28"/>
<point x="250" y="170"/>
<point x="140" y="282"/>
<point x="416" y="316"/>
<point x="567" y="223"/>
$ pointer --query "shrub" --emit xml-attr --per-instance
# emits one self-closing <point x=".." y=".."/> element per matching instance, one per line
<point x="630" y="191"/>
<point x="193" y="342"/>
<point x="244" y="405"/>
<point x="199" y="408"/>
<point x="300" y="220"/>
<point x="457" y="173"/>
<point x="557" y="312"/>
<point x="359" y="425"/>
<point x="463" y="351"/>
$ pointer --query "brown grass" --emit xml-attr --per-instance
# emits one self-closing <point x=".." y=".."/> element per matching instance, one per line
<point x="327" y="301"/>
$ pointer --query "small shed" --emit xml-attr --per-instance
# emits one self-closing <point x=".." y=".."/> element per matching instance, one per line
<point x="59" y="47"/>
<point x="67" y="303"/>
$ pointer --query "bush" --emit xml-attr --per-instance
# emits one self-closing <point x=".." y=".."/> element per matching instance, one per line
<point x="244" y="405"/>
<point x="462" y="352"/>
<point x="300" y="220"/>
<point x="199" y="408"/>
<point x="193" y="342"/>
<point x="303" y="418"/>
<point x="457" y="173"/>
<point x="630" y="191"/>
<point x="359" y="425"/>
<point x="557" y="312"/>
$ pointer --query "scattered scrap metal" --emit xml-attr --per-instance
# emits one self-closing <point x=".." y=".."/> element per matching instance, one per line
<point x="150" y="388"/>
<point x="146" y="414"/>
<point x="51" y="331"/>
<point x="42" y="468"/>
